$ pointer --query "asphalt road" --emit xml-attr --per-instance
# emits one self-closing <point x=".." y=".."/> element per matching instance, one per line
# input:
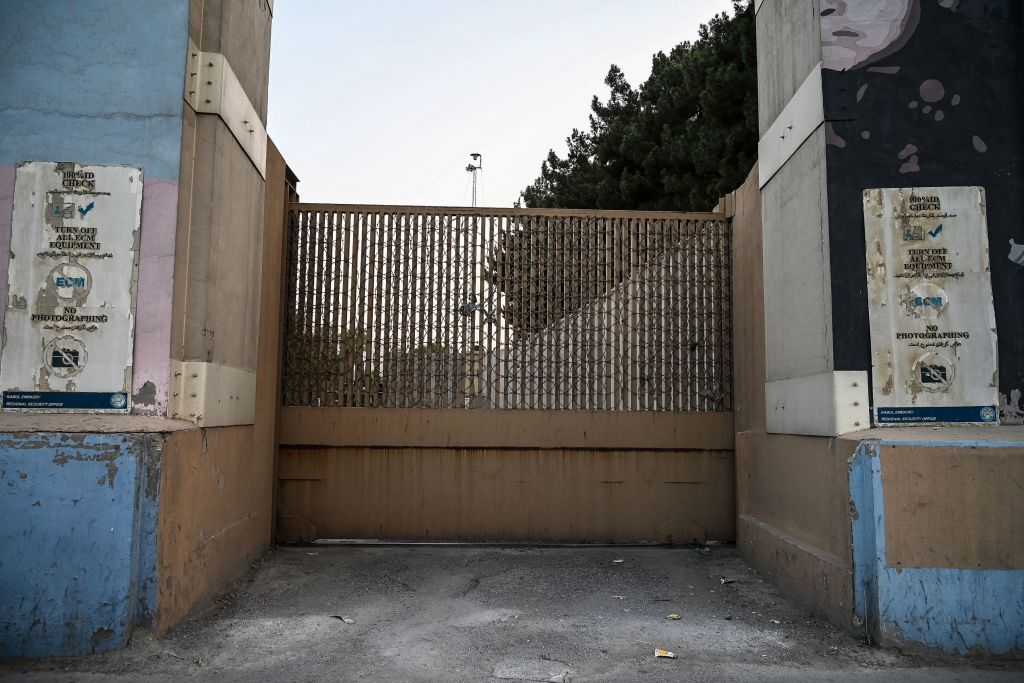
<point x="478" y="613"/>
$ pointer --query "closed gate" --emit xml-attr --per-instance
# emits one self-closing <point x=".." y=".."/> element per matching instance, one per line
<point x="516" y="374"/>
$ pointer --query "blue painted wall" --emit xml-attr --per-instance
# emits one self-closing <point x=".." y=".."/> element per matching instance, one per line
<point x="956" y="610"/>
<point x="78" y="529"/>
<point x="96" y="82"/>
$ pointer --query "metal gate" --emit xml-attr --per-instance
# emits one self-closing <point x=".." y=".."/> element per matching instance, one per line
<point x="399" y="319"/>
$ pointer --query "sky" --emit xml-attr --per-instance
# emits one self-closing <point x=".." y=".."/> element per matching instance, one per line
<point x="382" y="101"/>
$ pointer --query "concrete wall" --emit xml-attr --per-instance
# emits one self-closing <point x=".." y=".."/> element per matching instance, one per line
<point x="791" y="491"/>
<point x="788" y="49"/>
<point x="793" y="518"/>
<point x="744" y="205"/>
<point x="214" y="516"/>
<point x="937" y="526"/>
<point x="79" y="527"/>
<point x="98" y="84"/>
<point x="218" y="482"/>
<point x="57" y="105"/>
<point x="912" y="116"/>
<point x="838" y="116"/>
<point x="216" y="307"/>
<point x="908" y="536"/>
<point x="241" y="32"/>
<point x="112" y="522"/>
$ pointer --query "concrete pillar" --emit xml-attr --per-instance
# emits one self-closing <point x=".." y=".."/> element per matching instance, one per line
<point x="113" y="521"/>
<point x="855" y="96"/>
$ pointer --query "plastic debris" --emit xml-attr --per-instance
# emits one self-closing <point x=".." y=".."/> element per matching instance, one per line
<point x="776" y="621"/>
<point x="726" y="580"/>
<point x="344" y="619"/>
<point x="617" y="561"/>
<point x="674" y="617"/>
<point x="703" y="550"/>
<point x="665" y="653"/>
<point x="619" y="597"/>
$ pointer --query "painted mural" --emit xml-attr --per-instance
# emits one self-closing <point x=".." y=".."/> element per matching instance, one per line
<point x="910" y="101"/>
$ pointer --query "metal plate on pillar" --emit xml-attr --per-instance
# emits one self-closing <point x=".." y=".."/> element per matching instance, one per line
<point x="70" y="309"/>
<point x="933" y="330"/>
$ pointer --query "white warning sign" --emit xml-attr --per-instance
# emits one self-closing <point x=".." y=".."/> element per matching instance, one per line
<point x="933" y="332"/>
<point x="69" y="314"/>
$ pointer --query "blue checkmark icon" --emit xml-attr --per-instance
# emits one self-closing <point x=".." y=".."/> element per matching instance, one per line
<point x="88" y="208"/>
<point x="936" y="231"/>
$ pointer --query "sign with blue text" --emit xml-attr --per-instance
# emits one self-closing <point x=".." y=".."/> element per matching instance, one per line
<point x="69" y="318"/>
<point x="933" y="330"/>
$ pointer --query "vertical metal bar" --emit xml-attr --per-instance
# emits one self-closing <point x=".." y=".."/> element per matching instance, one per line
<point x="415" y="222"/>
<point x="556" y="309"/>
<point x="359" y="288"/>
<point x="725" y="280"/>
<point x="675" y="339"/>
<point x="318" y="305"/>
<point x="445" y="306"/>
<point x="352" y="334"/>
<point x="336" y="309"/>
<point x="633" y="313"/>
<point x="406" y="324"/>
<point x="397" y="272"/>
<point x="572" y="351"/>
<point x="702" y="319"/>
<point x="507" y="302"/>
<point x="378" y="334"/>
<point x="389" y="322"/>
<point x="392" y="283"/>
<point x="309" y="321"/>
<point x="690" y="288"/>
<point x="433" y="318"/>
<point x="290" y="310"/>
<point x="487" y="328"/>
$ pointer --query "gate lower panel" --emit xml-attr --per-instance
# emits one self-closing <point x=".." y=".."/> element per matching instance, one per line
<point x="465" y="494"/>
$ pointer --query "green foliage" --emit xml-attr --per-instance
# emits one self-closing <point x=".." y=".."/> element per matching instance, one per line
<point x="684" y="138"/>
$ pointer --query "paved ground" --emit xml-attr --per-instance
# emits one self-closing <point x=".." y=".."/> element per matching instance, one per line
<point x="470" y="613"/>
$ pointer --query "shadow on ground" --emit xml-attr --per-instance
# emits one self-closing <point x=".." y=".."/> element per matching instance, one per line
<point x="472" y="613"/>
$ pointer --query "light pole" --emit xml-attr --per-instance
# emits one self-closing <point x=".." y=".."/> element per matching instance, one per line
<point x="479" y="159"/>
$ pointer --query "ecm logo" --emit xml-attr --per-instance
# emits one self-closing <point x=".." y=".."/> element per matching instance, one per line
<point x="71" y="282"/>
<point x="933" y="301"/>
<point x="925" y="301"/>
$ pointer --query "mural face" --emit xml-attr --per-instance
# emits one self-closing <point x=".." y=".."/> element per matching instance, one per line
<point x="855" y="33"/>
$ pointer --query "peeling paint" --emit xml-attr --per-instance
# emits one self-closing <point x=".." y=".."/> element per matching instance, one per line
<point x="146" y="395"/>
<point x="102" y="634"/>
<point x="112" y="521"/>
<point x="1010" y="410"/>
<point x="957" y="610"/>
